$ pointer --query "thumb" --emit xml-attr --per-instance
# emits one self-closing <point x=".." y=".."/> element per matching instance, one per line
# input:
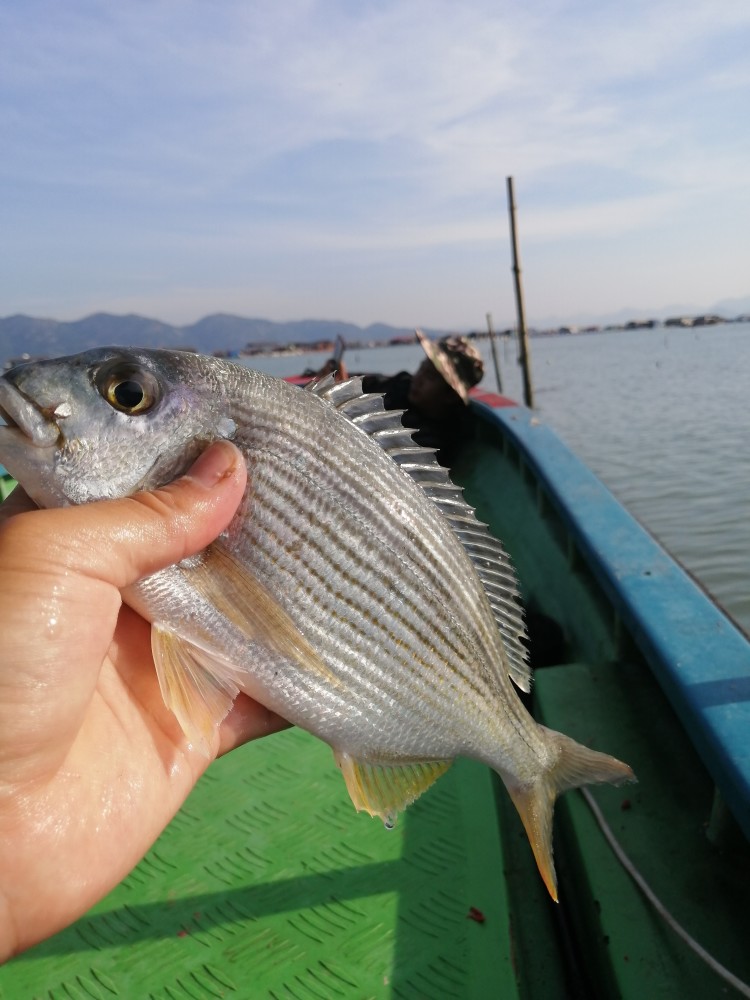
<point x="120" y="541"/>
<point x="63" y="572"/>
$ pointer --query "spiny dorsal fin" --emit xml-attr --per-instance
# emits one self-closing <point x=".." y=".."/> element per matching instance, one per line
<point x="488" y="555"/>
<point x="320" y="383"/>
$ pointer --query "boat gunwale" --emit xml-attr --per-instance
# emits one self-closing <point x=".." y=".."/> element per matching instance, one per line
<point x="700" y="658"/>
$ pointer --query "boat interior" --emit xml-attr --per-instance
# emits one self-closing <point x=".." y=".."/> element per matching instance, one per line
<point x="268" y="884"/>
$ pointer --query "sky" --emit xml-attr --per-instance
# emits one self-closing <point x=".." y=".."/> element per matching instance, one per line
<point x="294" y="159"/>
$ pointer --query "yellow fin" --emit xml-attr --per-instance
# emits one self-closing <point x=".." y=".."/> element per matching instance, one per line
<point x="196" y="686"/>
<point x="535" y="805"/>
<point x="197" y="682"/>
<point x="236" y="594"/>
<point x="384" y="790"/>
<point x="574" y="765"/>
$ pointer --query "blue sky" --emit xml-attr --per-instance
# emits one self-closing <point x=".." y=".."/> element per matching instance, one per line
<point x="314" y="158"/>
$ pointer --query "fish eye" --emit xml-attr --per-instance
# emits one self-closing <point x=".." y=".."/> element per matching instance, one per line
<point x="128" y="388"/>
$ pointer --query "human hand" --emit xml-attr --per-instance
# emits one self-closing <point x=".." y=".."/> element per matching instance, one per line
<point x="92" y="764"/>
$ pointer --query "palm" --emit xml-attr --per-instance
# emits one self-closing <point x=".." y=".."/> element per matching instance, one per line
<point x="102" y="779"/>
<point x="92" y="764"/>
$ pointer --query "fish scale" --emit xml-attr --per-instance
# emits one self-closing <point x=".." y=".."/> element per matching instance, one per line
<point x="369" y="584"/>
<point x="392" y="535"/>
<point x="389" y="537"/>
<point x="354" y="592"/>
<point x="425" y="613"/>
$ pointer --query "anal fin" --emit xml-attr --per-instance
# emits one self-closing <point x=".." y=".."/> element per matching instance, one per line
<point x="385" y="790"/>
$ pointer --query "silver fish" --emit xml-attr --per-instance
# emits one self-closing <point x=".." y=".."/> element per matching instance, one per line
<point x="354" y="592"/>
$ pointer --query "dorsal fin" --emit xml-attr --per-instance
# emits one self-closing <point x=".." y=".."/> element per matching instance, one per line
<point x="319" y="383"/>
<point x="487" y="554"/>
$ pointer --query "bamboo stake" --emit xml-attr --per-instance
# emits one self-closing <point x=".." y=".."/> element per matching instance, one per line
<point x="493" y="345"/>
<point x="528" y="392"/>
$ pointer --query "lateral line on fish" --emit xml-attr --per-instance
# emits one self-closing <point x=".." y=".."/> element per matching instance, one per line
<point x="290" y="495"/>
<point x="421" y="465"/>
<point x="354" y="487"/>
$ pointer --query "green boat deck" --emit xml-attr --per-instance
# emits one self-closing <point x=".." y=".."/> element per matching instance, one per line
<point x="268" y="884"/>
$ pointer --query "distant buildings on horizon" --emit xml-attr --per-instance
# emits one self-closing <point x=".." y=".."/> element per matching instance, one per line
<point x="682" y="322"/>
<point x="327" y="345"/>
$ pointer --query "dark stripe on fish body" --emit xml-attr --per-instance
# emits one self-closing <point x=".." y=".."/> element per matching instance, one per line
<point x="378" y="560"/>
<point x="438" y="566"/>
<point x="335" y="472"/>
<point x="442" y="569"/>
<point x="379" y="631"/>
<point x="362" y="583"/>
<point x="411" y="659"/>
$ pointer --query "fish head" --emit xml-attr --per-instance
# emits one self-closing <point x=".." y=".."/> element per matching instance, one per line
<point x="106" y="423"/>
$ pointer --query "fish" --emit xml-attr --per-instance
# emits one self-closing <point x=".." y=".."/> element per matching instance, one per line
<point x="355" y="592"/>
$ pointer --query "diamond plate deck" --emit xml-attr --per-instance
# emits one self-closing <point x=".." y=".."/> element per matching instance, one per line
<point x="268" y="884"/>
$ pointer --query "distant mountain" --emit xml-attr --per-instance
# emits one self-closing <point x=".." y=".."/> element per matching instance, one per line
<point x="732" y="307"/>
<point x="221" y="332"/>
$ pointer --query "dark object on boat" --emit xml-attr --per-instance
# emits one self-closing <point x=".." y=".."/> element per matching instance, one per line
<point x="546" y="640"/>
<point x="267" y="884"/>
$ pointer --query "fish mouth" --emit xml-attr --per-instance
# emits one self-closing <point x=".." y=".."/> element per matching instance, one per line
<point x="22" y="418"/>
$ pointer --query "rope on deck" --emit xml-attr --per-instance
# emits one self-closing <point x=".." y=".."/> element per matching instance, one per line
<point x="657" y="904"/>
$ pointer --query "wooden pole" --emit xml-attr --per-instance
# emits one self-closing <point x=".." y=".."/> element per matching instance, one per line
<point x="493" y="345"/>
<point x="523" y="344"/>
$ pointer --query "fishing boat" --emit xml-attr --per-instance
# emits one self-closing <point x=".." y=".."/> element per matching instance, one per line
<point x="268" y="884"/>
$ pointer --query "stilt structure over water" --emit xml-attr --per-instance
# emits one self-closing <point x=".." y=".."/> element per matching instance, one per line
<point x="495" y="360"/>
<point x="523" y="345"/>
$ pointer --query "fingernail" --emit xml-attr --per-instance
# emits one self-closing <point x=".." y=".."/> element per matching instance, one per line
<point x="216" y="463"/>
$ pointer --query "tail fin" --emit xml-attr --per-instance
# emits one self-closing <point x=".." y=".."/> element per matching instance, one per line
<point x="575" y="765"/>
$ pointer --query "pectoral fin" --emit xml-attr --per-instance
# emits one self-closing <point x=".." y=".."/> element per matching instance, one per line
<point x="196" y="686"/>
<point x="197" y="682"/>
<point x="384" y="790"/>
<point x="239" y="597"/>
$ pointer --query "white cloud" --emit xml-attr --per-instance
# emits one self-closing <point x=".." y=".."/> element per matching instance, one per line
<point x="166" y="130"/>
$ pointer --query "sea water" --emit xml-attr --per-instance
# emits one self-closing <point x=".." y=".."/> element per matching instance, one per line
<point x="661" y="416"/>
